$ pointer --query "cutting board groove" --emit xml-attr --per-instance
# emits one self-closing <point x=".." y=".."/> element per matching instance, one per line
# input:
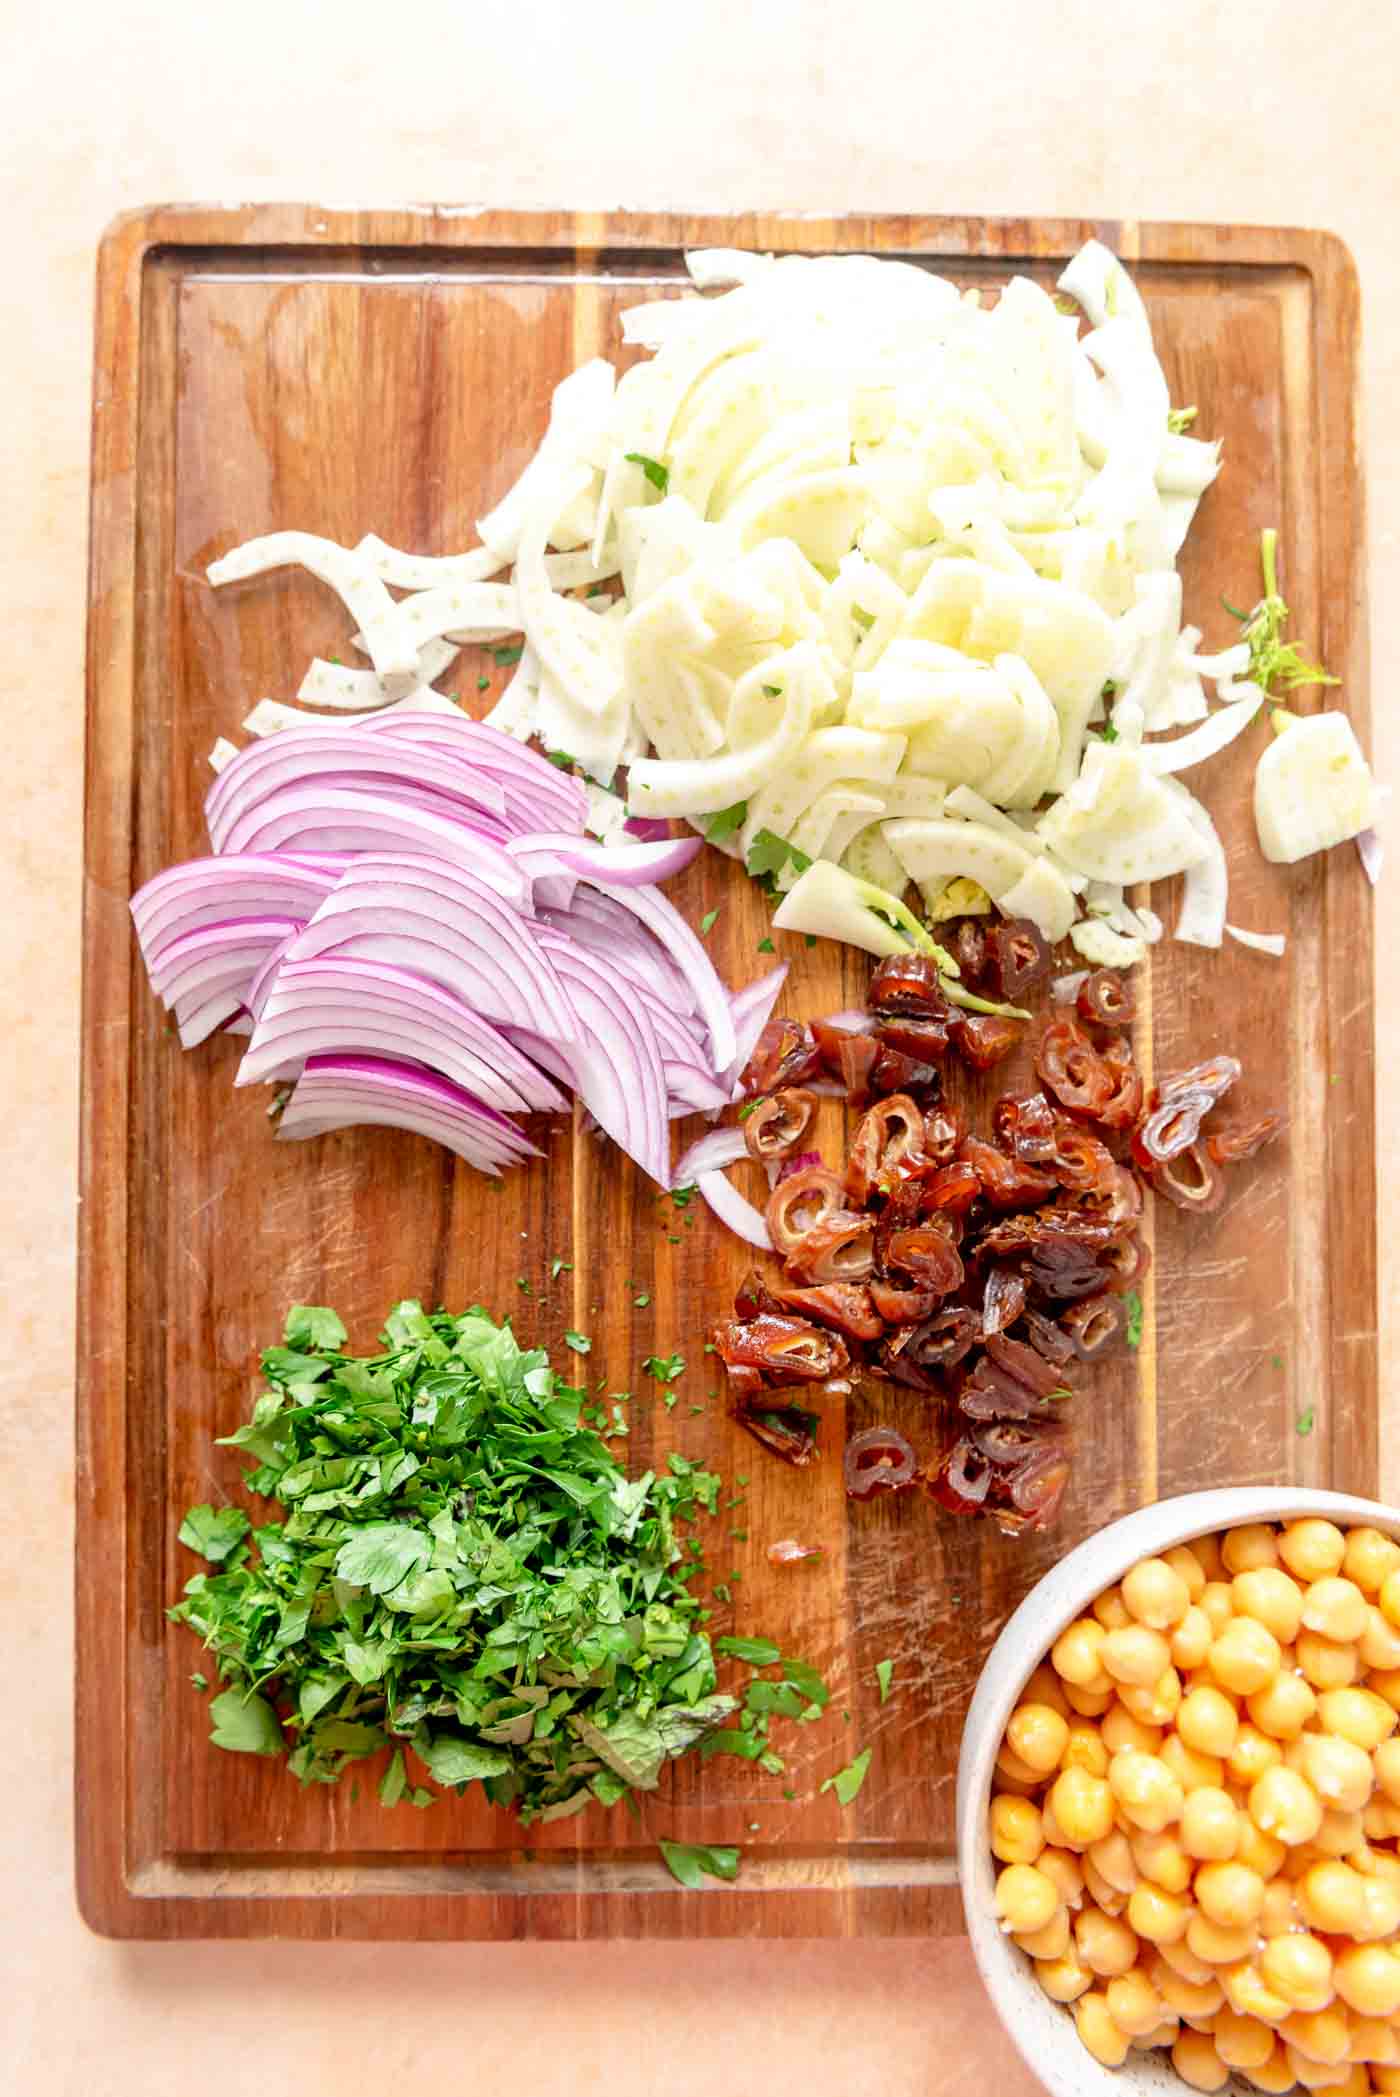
<point x="272" y="366"/>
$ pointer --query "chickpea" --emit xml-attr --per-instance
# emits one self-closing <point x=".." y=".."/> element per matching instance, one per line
<point x="1084" y="1748"/>
<point x="1252" y="1544"/>
<point x="1336" y="1609"/>
<point x="1187" y="1998"/>
<point x="1133" y="2003"/>
<point x="1154" y="1703"/>
<point x="1319" y="2035"/>
<point x="1083" y="1808"/>
<point x="1209" y="1824"/>
<point x="1380" y="1820"/>
<point x="1206" y="1551"/>
<point x="1389" y="1598"/>
<point x="1252" y="1754"/>
<point x="1216" y="1603"/>
<point x="1098" y="2031"/>
<point x="1189" y="1568"/>
<point x="1386" y="1763"/>
<point x="1190" y="1641"/>
<point x="1061" y="1867"/>
<point x="1374" y="1863"/>
<point x="1230" y="1894"/>
<point x="1370" y="1555"/>
<point x="1164" y="2036"/>
<point x="1183" y="1962"/>
<point x="1208" y="1721"/>
<point x="1299" y="1968"/>
<point x="1372" y="2039"/>
<point x="1282" y="1707"/>
<point x="1106" y="1945"/>
<point x="1052" y="1942"/>
<point x="1010" y="1766"/>
<point x="1368" y="1979"/>
<point x="1111" y="1610"/>
<point x="1104" y="1896"/>
<point x="1241" y="2042"/>
<point x="1145" y="1788"/>
<point x="1155" y="1593"/>
<point x="1332" y="1898"/>
<point x="1196" y="2061"/>
<point x="1217" y="1946"/>
<point x="1090" y="1703"/>
<point x="1339" y="1772"/>
<point x="1244" y="1656"/>
<point x="1038" y="1735"/>
<point x="1315" y="2075"/>
<point x="1280" y="1911"/>
<point x="1121" y="1730"/>
<point x="1272" y="1599"/>
<point x="1312" y="1549"/>
<point x="1324" y="1663"/>
<point x="1273" y="2074"/>
<point x="1250" y="1996"/>
<point x="1190" y="1768"/>
<point x="1157" y="1915"/>
<point x="1045" y="1687"/>
<point x="1064" y="1979"/>
<point x="1385" y="1682"/>
<point x="1281" y="1804"/>
<point x="1113" y="1860"/>
<point x="1054" y="1833"/>
<point x="1025" y="1898"/>
<point x="1339" y="1834"/>
<point x="1015" y="1830"/>
<point x="1075" y="1654"/>
<point x="1380" y="1909"/>
<point x="1379" y="1644"/>
<point x="1262" y="1853"/>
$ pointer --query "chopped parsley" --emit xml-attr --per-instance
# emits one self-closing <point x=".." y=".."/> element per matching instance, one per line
<point x="884" y="1675"/>
<point x="767" y="857"/>
<point x="642" y="1300"/>
<point x="693" y="1862"/>
<point x="1180" y="420"/>
<point x="1132" y="1331"/>
<point x="1307" y="1420"/>
<point x="766" y="946"/>
<point x="558" y="1267"/>
<point x="846" y="1782"/>
<point x="579" y="1342"/>
<point x="726" y="822"/>
<point x="656" y="473"/>
<point x="664" y="1367"/>
<point x="758" y="1652"/>
<point x="707" y="922"/>
<point x="506" y="658"/>
<point x="562" y="758"/>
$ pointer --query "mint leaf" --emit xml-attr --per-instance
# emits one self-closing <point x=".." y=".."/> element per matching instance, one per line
<point x="846" y="1782"/>
<point x="214" y="1532"/>
<point x="656" y="473"/>
<point x="693" y="1862"/>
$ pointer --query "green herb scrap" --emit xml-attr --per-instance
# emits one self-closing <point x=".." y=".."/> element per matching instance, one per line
<point x="768" y="855"/>
<point x="462" y="1571"/>
<point x="1132" y="1331"/>
<point x="884" y="1675"/>
<point x="693" y="1862"/>
<point x="846" y="1782"/>
<point x="1274" y="664"/>
<point x="656" y="473"/>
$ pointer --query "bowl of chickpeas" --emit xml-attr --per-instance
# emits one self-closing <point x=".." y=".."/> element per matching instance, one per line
<point x="1179" y="1802"/>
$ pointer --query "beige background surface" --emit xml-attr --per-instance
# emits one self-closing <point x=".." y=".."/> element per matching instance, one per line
<point x="1253" y="112"/>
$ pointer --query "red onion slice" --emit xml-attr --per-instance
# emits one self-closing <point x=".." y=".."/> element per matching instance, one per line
<point x="734" y="1209"/>
<point x="612" y="866"/>
<point x="351" y="1091"/>
<point x="298" y="755"/>
<point x="311" y="817"/>
<point x="1370" y="847"/>
<point x="709" y="1153"/>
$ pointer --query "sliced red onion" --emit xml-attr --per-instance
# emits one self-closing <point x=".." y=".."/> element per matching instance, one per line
<point x="210" y="891"/>
<point x="752" y="1009"/>
<point x="611" y="866"/>
<point x="651" y="829"/>
<point x="1370" y="848"/>
<point x="615" y="1060"/>
<point x="214" y="954"/>
<point x="349" y="1091"/>
<point x="663" y="920"/>
<point x="852" y="1021"/>
<point x="709" y="1153"/>
<point x="298" y="755"/>
<point x="799" y="1163"/>
<point x="549" y="798"/>
<point x="734" y="1209"/>
<point x="312" y="817"/>
<point x="1065" y="989"/>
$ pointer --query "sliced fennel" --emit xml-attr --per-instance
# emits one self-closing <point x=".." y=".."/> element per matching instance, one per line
<point x="1312" y="788"/>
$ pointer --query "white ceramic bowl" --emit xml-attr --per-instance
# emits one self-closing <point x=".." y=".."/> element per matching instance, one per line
<point x="1043" y="2030"/>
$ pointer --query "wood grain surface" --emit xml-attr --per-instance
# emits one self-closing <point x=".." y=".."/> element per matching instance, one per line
<point x="271" y="367"/>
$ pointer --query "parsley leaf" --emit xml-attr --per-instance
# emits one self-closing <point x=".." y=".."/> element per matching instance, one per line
<point x="504" y="658"/>
<point x="562" y="759"/>
<point x="766" y="946"/>
<point x="1108" y="733"/>
<point x="579" y="1342"/>
<point x="846" y="1782"/>
<point x="767" y="857"/>
<point x="558" y="1267"/>
<point x="214" y="1532"/>
<point x="1179" y="420"/>
<point x="758" y="1652"/>
<point x="1132" y="1332"/>
<point x="805" y="1677"/>
<point x="693" y="1862"/>
<point x="247" y="1725"/>
<point x="313" y="1330"/>
<point x="664" y="1367"/>
<point x="884" y="1675"/>
<point x="707" y="922"/>
<point x="1307" y="1420"/>
<point x="656" y="473"/>
<point x="726" y="822"/>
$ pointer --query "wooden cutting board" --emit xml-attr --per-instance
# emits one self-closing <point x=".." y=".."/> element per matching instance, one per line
<point x="263" y="368"/>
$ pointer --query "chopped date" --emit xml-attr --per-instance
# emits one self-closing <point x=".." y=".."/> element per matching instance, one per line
<point x="943" y="1132"/>
<point x="1006" y="1182"/>
<point x="778" y="1123"/>
<point x="986" y="1038"/>
<point x="1093" y="1324"/>
<point x="1190" y="1180"/>
<point x="782" y="1347"/>
<point x="880" y="1460"/>
<point x="1017" y="958"/>
<point x="1026" y="1127"/>
<point x="845" y="1307"/>
<point x="840" y="1248"/>
<point x="1241" y="1140"/>
<point x="784" y="1054"/>
<point x="908" y="983"/>
<point x="1069" y="1064"/>
<point x="925" y="1039"/>
<point x="928" y="1258"/>
<point x="799" y="1203"/>
<point x="789" y="1431"/>
<point x="1105" y="1000"/>
<point x="888" y="1135"/>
